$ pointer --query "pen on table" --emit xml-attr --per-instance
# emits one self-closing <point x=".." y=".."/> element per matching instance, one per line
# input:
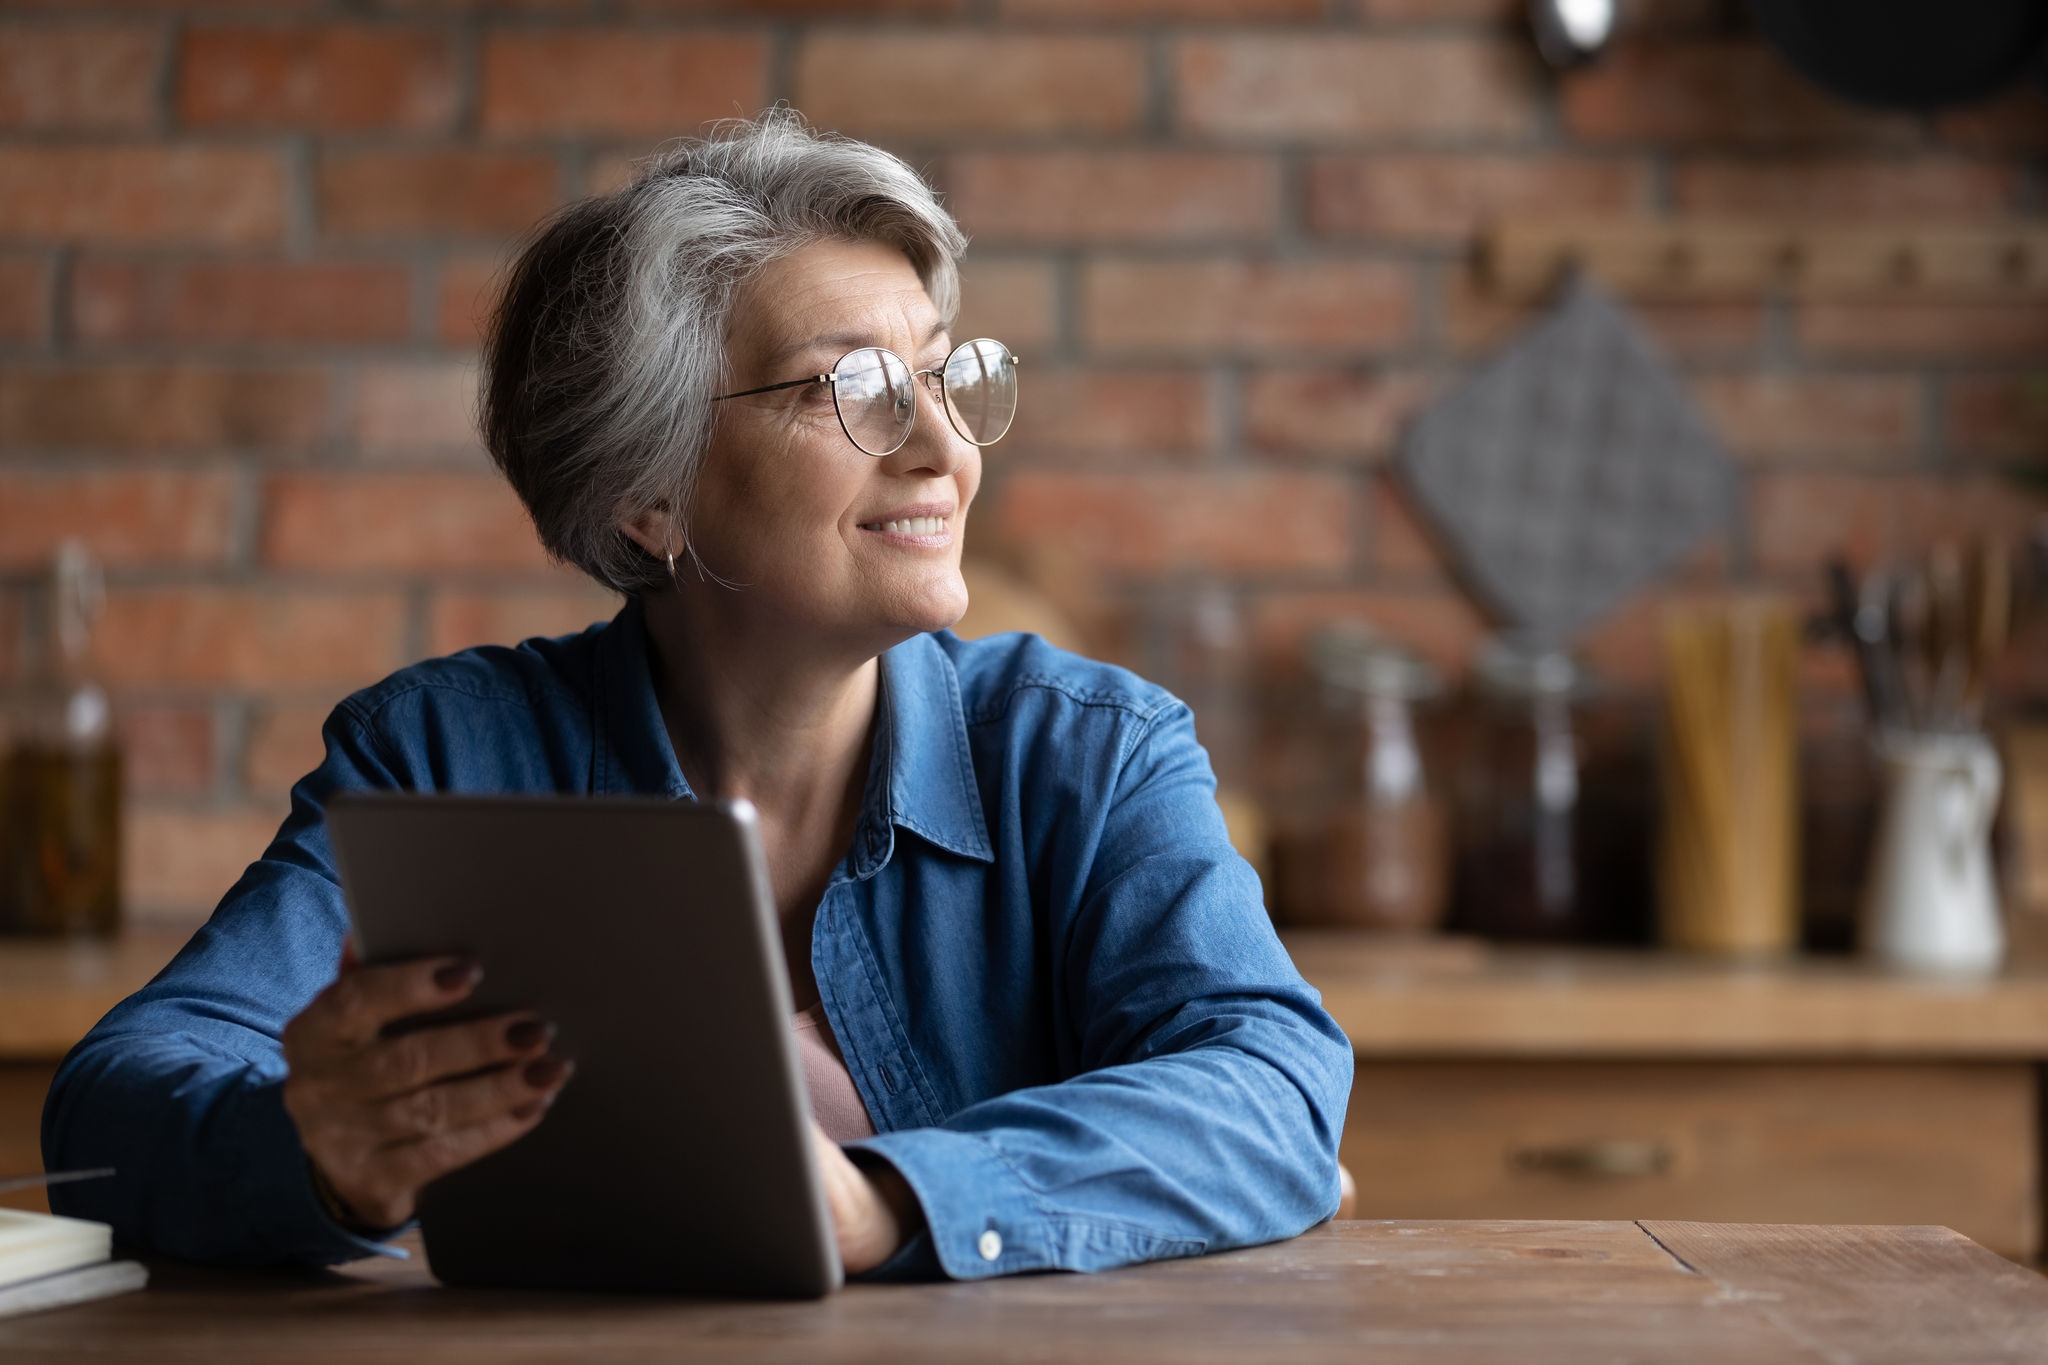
<point x="29" y="1182"/>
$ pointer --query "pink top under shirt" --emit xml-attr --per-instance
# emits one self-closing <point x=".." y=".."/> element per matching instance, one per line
<point x="834" y="1102"/>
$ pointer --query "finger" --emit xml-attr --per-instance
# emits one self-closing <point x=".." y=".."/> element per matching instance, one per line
<point x="356" y="1008"/>
<point x="349" y="960"/>
<point x="410" y="1165"/>
<point x="396" y="1066"/>
<point x="456" y="1105"/>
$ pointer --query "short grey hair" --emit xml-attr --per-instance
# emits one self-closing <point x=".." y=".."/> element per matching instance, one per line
<point x="608" y="342"/>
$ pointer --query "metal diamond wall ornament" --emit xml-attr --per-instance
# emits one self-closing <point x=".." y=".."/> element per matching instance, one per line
<point x="1569" y="471"/>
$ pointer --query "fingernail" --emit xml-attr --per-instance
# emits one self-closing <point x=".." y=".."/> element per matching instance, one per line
<point x="529" y="1033"/>
<point x="529" y="1109"/>
<point x="458" y="974"/>
<point x="543" y="1072"/>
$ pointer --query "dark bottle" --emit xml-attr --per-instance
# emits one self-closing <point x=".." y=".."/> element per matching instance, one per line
<point x="60" y="782"/>
<point x="1517" y="808"/>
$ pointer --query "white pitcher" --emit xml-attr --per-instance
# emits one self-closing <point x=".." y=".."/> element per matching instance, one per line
<point x="1930" y="903"/>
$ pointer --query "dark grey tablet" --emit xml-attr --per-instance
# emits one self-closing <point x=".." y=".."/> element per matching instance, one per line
<point x="678" y="1159"/>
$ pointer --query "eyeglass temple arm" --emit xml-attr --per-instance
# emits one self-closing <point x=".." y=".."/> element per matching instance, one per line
<point x="771" y="388"/>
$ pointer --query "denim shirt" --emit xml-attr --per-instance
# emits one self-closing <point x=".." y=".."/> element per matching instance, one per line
<point x="1054" y="983"/>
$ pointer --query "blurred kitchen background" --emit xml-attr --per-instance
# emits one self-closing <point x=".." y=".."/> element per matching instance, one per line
<point x="1720" y="369"/>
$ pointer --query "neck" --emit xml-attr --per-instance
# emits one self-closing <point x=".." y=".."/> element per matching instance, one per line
<point x="756" y="709"/>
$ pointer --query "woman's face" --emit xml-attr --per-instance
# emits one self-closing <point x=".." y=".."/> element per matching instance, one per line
<point x="810" y="527"/>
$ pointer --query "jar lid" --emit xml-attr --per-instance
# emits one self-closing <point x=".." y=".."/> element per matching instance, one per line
<point x="1357" y="658"/>
<point x="1510" y="668"/>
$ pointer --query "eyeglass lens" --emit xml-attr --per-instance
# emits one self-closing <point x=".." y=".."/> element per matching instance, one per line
<point x="877" y="400"/>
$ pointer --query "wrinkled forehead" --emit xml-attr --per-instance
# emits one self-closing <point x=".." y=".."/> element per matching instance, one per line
<point x="812" y="306"/>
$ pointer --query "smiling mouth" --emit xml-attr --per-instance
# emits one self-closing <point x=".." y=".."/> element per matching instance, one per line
<point x="909" y="526"/>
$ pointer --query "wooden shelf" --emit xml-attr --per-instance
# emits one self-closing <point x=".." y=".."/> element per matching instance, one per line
<point x="53" y="990"/>
<point x="1452" y="998"/>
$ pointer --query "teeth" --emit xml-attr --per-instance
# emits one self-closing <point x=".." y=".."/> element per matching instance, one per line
<point x="916" y="526"/>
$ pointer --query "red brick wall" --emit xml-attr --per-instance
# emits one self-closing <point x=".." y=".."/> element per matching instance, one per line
<point x="241" y="248"/>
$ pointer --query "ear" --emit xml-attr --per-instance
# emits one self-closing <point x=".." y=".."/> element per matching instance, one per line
<point x="654" y="531"/>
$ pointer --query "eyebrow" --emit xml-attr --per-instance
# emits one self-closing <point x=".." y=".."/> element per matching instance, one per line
<point x="842" y="341"/>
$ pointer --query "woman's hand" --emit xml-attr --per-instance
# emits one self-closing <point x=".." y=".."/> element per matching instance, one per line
<point x="873" y="1213"/>
<point x="381" y="1117"/>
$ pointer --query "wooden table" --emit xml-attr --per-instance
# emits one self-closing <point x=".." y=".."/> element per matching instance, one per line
<point x="1519" y="1083"/>
<point x="1354" y="1292"/>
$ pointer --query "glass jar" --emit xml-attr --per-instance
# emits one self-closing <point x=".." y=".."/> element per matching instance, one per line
<point x="1374" y="856"/>
<point x="1516" y="810"/>
<point x="60" y="781"/>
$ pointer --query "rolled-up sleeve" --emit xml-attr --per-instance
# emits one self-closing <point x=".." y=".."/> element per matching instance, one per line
<point x="1209" y="1100"/>
<point x="181" y="1087"/>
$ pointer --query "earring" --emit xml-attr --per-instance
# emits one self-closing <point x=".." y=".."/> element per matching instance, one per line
<point x="671" y="564"/>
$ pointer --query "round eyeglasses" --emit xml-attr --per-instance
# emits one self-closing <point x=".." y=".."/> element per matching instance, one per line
<point x="873" y="391"/>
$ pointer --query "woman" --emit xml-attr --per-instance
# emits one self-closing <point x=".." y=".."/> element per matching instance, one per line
<point x="1050" y="1025"/>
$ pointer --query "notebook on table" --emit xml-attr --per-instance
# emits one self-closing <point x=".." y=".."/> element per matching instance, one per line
<point x="47" y="1261"/>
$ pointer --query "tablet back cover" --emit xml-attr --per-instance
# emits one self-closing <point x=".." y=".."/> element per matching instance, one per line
<point x="678" y="1159"/>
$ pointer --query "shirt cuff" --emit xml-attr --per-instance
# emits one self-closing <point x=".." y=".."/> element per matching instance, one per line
<point x="982" y="1220"/>
<point x="275" y="1188"/>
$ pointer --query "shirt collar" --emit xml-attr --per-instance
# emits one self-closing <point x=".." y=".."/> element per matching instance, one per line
<point x="920" y="776"/>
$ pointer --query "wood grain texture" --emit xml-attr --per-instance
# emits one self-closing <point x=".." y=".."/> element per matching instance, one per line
<point x="1873" y="1295"/>
<point x="22" y="1087"/>
<point x="1735" y="1142"/>
<point x="1478" y="1293"/>
<point x="1434" y="1000"/>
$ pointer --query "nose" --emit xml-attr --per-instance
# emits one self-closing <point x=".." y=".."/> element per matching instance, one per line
<point x="933" y="445"/>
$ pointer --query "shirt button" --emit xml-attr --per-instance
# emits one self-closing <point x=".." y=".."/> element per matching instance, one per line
<point x="990" y="1245"/>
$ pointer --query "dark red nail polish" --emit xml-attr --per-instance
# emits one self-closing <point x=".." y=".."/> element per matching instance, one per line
<point x="542" y="1072"/>
<point x="458" y="974"/>
<point x="528" y="1033"/>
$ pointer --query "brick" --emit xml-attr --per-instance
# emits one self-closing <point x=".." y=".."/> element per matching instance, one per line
<point x="1347" y="414"/>
<point x="166" y="748"/>
<point x="1798" y="519"/>
<point x="2017" y="122"/>
<point x="1111" y="413"/>
<point x="1918" y="187"/>
<point x="610" y="172"/>
<point x="1124" y="11"/>
<point x="192" y="195"/>
<point x="2004" y="416"/>
<point x="1233" y="306"/>
<point x="13" y="621"/>
<point x="458" y="619"/>
<point x="177" y="863"/>
<point x="248" y="637"/>
<point x="1343" y="86"/>
<point x="1938" y="331"/>
<point x="1475" y="319"/>
<point x="1436" y="622"/>
<point x="396" y="522"/>
<point x="1114" y="196"/>
<point x="1864" y="418"/>
<point x="227" y="301"/>
<point x="24" y="298"/>
<point x="331" y="78"/>
<point x="1403" y="547"/>
<point x="284" y="745"/>
<point x="557" y="82"/>
<point x="1012" y="301"/>
<point x="801" y="9"/>
<point x="98" y="77"/>
<point x="1450" y="198"/>
<point x="430" y="193"/>
<point x="464" y="296"/>
<point x="161" y="408"/>
<point x="1713" y="91"/>
<point x="1157" y="523"/>
<point x="417" y="412"/>
<point x="953" y="85"/>
<point x="157" y="516"/>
